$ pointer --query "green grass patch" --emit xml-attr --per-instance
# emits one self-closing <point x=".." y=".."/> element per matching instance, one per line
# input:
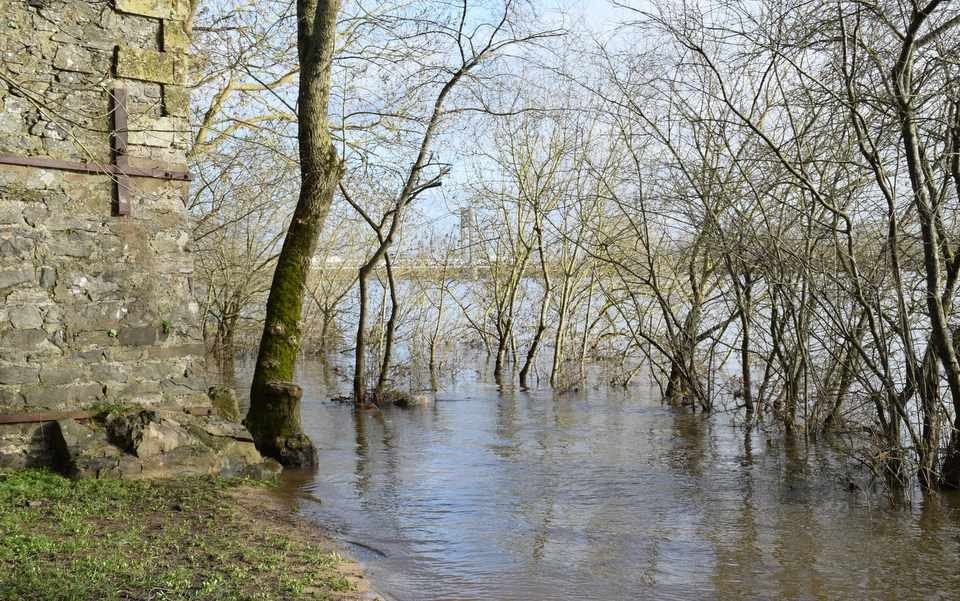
<point x="179" y="539"/>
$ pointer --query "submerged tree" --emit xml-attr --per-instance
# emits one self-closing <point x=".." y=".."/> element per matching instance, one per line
<point x="274" y="419"/>
<point x="466" y="40"/>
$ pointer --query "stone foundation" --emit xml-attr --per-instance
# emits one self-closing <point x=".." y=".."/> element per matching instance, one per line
<point x="96" y="308"/>
<point x="155" y="444"/>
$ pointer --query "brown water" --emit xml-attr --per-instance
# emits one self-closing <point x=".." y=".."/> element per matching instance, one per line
<point x="608" y="496"/>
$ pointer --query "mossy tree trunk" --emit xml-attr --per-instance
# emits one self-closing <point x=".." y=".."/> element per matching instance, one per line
<point x="273" y="419"/>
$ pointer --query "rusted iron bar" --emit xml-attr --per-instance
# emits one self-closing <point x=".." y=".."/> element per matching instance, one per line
<point x="52" y="416"/>
<point x="118" y="99"/>
<point x="94" y="168"/>
<point x="47" y="416"/>
<point x="119" y="168"/>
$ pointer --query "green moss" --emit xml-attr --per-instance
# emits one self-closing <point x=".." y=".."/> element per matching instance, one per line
<point x="150" y="65"/>
<point x="112" y="539"/>
<point x="107" y="408"/>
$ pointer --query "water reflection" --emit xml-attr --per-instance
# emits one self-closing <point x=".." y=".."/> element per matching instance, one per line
<point x="516" y="495"/>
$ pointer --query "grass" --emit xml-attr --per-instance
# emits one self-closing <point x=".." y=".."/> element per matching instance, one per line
<point x="183" y="539"/>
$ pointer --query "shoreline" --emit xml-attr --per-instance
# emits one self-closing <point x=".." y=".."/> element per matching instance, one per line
<point x="270" y="507"/>
<point x="188" y="538"/>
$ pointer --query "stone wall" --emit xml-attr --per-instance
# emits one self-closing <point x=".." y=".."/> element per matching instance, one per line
<point x="96" y="308"/>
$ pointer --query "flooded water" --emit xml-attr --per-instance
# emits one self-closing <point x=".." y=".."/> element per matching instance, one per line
<point x="608" y="496"/>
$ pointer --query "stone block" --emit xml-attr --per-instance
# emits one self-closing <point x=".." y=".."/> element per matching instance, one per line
<point x="176" y="101"/>
<point x="25" y="317"/>
<point x="23" y="446"/>
<point x="177" y="10"/>
<point x="55" y="375"/>
<point x="175" y="39"/>
<point x="82" y="286"/>
<point x="9" y="279"/>
<point x="186" y="460"/>
<point x="48" y="277"/>
<point x="176" y="351"/>
<point x="76" y="395"/>
<point x="146" y="433"/>
<point x="19" y="247"/>
<point x="23" y="339"/>
<point x="27" y="296"/>
<point x="18" y="374"/>
<point x="159" y="132"/>
<point x="70" y="57"/>
<point x="93" y="339"/>
<point x="136" y="390"/>
<point x="181" y="386"/>
<point x="11" y="212"/>
<point x="110" y="372"/>
<point x="138" y="336"/>
<point x="10" y="395"/>
<point x="73" y="243"/>
<point x="150" y="65"/>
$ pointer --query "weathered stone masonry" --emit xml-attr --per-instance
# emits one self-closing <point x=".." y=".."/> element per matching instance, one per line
<point x="96" y="308"/>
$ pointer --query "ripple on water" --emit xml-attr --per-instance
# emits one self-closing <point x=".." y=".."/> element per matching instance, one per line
<point x="521" y="497"/>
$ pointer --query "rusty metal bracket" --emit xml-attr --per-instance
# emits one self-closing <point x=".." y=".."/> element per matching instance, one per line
<point x="119" y="169"/>
<point x="121" y="186"/>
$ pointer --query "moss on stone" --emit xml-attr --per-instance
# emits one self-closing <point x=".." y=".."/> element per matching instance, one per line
<point x="162" y="9"/>
<point x="150" y="65"/>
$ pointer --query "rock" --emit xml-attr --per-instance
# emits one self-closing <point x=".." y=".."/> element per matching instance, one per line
<point x="8" y="279"/>
<point x="187" y="460"/>
<point x="25" y="317"/>
<point x="268" y="469"/>
<point x="236" y="457"/>
<point x="48" y="277"/>
<point x="218" y="427"/>
<point x="224" y="401"/>
<point x="54" y="374"/>
<point x="81" y="451"/>
<point x="168" y="444"/>
<point x="164" y="9"/>
<point x="88" y="297"/>
<point x="138" y="336"/>
<point x="73" y="58"/>
<point x="18" y="374"/>
<point x="146" y="433"/>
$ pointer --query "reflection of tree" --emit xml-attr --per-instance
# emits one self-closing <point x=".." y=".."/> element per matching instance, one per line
<point x="689" y="435"/>
<point x="362" y="470"/>
<point x="739" y="558"/>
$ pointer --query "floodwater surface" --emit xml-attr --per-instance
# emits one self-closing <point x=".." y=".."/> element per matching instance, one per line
<point x="509" y="496"/>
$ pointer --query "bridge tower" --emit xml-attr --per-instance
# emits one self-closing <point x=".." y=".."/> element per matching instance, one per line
<point x="468" y="234"/>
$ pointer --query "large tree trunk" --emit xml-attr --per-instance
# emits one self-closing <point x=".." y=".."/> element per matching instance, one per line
<point x="270" y="420"/>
